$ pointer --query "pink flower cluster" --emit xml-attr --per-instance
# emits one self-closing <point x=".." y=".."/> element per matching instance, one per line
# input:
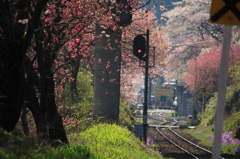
<point x="112" y="80"/>
<point x="227" y="138"/>
<point x="69" y="122"/>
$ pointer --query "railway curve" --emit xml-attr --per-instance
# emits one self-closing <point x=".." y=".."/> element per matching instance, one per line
<point x="173" y="144"/>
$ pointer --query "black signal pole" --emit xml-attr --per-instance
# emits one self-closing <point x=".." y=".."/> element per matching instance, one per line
<point x="145" y="108"/>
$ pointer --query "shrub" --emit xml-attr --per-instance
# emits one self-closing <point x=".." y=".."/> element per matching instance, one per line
<point x="208" y="116"/>
<point x="227" y="139"/>
<point x="126" y="114"/>
<point x="76" y="109"/>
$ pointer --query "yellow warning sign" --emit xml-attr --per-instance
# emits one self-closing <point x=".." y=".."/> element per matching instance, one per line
<point x="225" y="12"/>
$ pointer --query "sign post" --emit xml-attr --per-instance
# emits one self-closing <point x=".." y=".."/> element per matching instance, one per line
<point x="223" y="12"/>
<point x="222" y="84"/>
<point x="139" y="51"/>
<point x="145" y="108"/>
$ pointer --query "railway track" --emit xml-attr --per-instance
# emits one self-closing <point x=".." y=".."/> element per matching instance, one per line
<point x="162" y="120"/>
<point x="189" y="149"/>
<point x="174" y="143"/>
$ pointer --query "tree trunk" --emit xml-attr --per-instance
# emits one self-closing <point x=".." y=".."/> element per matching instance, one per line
<point x="55" y="125"/>
<point x="73" y="84"/>
<point x="15" y="39"/>
<point x="107" y="76"/>
<point x="32" y="86"/>
<point x="11" y="93"/>
<point x="11" y="74"/>
<point x="47" y="119"/>
<point x="24" y="121"/>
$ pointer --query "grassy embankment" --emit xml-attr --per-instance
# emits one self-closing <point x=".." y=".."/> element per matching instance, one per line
<point x="205" y="130"/>
<point x="102" y="141"/>
<point x="89" y="138"/>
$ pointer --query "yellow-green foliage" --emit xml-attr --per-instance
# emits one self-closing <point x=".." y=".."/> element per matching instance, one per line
<point x="109" y="141"/>
<point x="232" y="100"/>
<point x="208" y="116"/>
<point x="125" y="114"/>
<point x="232" y="122"/>
<point x="79" y="107"/>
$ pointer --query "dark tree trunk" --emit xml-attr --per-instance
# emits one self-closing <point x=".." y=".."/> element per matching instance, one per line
<point x="54" y="119"/>
<point x="24" y="121"/>
<point x="50" y="121"/>
<point x="32" y="87"/>
<point x="47" y="119"/>
<point x="11" y="92"/>
<point x="15" y="39"/>
<point x="13" y="45"/>
<point x="73" y="84"/>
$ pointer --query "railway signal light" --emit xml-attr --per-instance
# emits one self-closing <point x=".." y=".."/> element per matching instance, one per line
<point x="139" y="46"/>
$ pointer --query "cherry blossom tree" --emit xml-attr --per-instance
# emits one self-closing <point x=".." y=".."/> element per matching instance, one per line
<point x="189" y="18"/>
<point x="131" y="73"/>
<point x="51" y="41"/>
<point x="139" y="25"/>
<point x="203" y="72"/>
<point x="189" y="30"/>
<point x="61" y="43"/>
<point x="178" y="58"/>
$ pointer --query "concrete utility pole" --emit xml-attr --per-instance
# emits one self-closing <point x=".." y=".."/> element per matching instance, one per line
<point x="108" y="63"/>
<point x="107" y="75"/>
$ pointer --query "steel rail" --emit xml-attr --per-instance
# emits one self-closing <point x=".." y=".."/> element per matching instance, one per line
<point x="170" y="128"/>
<point x="176" y="144"/>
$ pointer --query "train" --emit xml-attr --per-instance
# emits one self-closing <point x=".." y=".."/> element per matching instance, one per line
<point x="164" y="95"/>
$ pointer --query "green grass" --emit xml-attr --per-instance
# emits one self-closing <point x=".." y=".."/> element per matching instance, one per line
<point x="140" y="120"/>
<point x="201" y="133"/>
<point x="112" y="142"/>
<point x="102" y="141"/>
<point x="20" y="148"/>
<point x="231" y="123"/>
